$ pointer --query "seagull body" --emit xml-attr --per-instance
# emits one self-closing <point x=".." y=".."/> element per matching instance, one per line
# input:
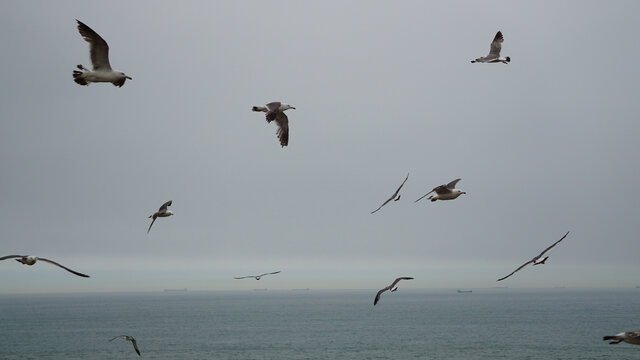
<point x="275" y="111"/>
<point x="444" y="192"/>
<point x="257" y="277"/>
<point x="393" y="287"/>
<point x="30" y="260"/>
<point x="631" y="337"/>
<point x="129" y="338"/>
<point x="99" y="51"/>
<point x="537" y="259"/>
<point x="162" y="212"/>
<point x="394" y="197"/>
<point x="494" y="52"/>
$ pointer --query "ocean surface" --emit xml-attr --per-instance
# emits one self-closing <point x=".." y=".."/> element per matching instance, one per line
<point x="322" y="324"/>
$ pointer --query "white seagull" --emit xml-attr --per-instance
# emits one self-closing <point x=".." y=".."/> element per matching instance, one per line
<point x="99" y="51"/>
<point x="631" y="337"/>
<point x="257" y="277"/>
<point x="129" y="338"/>
<point x="536" y="260"/>
<point x="394" y="197"/>
<point x="275" y="111"/>
<point x="494" y="52"/>
<point x="30" y="260"/>
<point x="162" y="212"/>
<point x="444" y="192"/>
<point x="393" y="287"/>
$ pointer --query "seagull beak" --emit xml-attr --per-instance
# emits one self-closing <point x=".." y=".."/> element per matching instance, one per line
<point x="129" y="77"/>
<point x="293" y="108"/>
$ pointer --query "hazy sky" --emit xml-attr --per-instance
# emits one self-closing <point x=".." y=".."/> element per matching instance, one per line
<point x="544" y="145"/>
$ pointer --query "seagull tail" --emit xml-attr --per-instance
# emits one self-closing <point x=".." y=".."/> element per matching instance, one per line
<point x="79" y="78"/>
<point x="259" y="108"/>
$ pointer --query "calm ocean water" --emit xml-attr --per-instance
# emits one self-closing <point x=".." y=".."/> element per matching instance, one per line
<point x="408" y="324"/>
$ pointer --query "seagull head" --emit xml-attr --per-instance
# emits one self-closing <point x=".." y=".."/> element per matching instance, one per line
<point x="169" y="213"/>
<point x="126" y="76"/>
<point x="287" y="107"/>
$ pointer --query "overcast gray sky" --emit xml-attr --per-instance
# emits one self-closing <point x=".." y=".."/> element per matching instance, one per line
<point x="545" y="144"/>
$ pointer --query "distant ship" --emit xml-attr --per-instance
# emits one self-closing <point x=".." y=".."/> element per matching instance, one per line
<point x="464" y="291"/>
<point x="176" y="290"/>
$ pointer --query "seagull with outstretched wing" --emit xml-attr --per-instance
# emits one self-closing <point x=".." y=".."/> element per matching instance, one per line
<point x="99" y="51"/>
<point x="30" y="260"/>
<point x="444" y="192"/>
<point x="536" y="260"/>
<point x="257" y="277"/>
<point x="129" y="338"/>
<point x="394" y="197"/>
<point x="275" y="111"/>
<point x="393" y="287"/>
<point x="631" y="337"/>
<point x="163" y="211"/>
<point x="494" y="52"/>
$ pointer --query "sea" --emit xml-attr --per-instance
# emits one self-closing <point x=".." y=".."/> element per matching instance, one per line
<point x="496" y="323"/>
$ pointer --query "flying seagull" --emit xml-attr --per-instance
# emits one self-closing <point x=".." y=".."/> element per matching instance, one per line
<point x="275" y="111"/>
<point x="494" y="52"/>
<point x="162" y="212"/>
<point x="257" y="277"/>
<point x="99" y="51"/>
<point x="394" y="197"/>
<point x="129" y="338"/>
<point x="536" y="260"/>
<point x="30" y="260"/>
<point x="444" y="192"/>
<point x="393" y="287"/>
<point x="631" y="337"/>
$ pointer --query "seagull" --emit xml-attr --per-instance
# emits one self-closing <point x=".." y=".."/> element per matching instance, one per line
<point x="129" y="338"/>
<point x="30" y="260"/>
<point x="99" y="51"/>
<point x="631" y="337"/>
<point x="494" y="52"/>
<point x="394" y="197"/>
<point x="275" y="111"/>
<point x="391" y="287"/>
<point x="162" y="212"/>
<point x="257" y="277"/>
<point x="536" y="260"/>
<point x="444" y="192"/>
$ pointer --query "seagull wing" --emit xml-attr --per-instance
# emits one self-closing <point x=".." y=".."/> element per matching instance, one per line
<point x="452" y="185"/>
<point x="392" y="196"/>
<point x="273" y="105"/>
<point x="150" y="225"/>
<point x="271" y="273"/>
<point x="164" y="206"/>
<point x="422" y="197"/>
<point x="244" y="277"/>
<point x="496" y="45"/>
<point x="383" y="204"/>
<point x="283" y="128"/>
<point x="516" y="270"/>
<point x="552" y="245"/>
<point x="10" y="257"/>
<point x="64" y="267"/>
<point x="119" y="336"/>
<point x="98" y="48"/>
<point x="135" y="346"/>
<point x="398" y="280"/>
<point x="375" y="301"/>
<point x="401" y="185"/>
